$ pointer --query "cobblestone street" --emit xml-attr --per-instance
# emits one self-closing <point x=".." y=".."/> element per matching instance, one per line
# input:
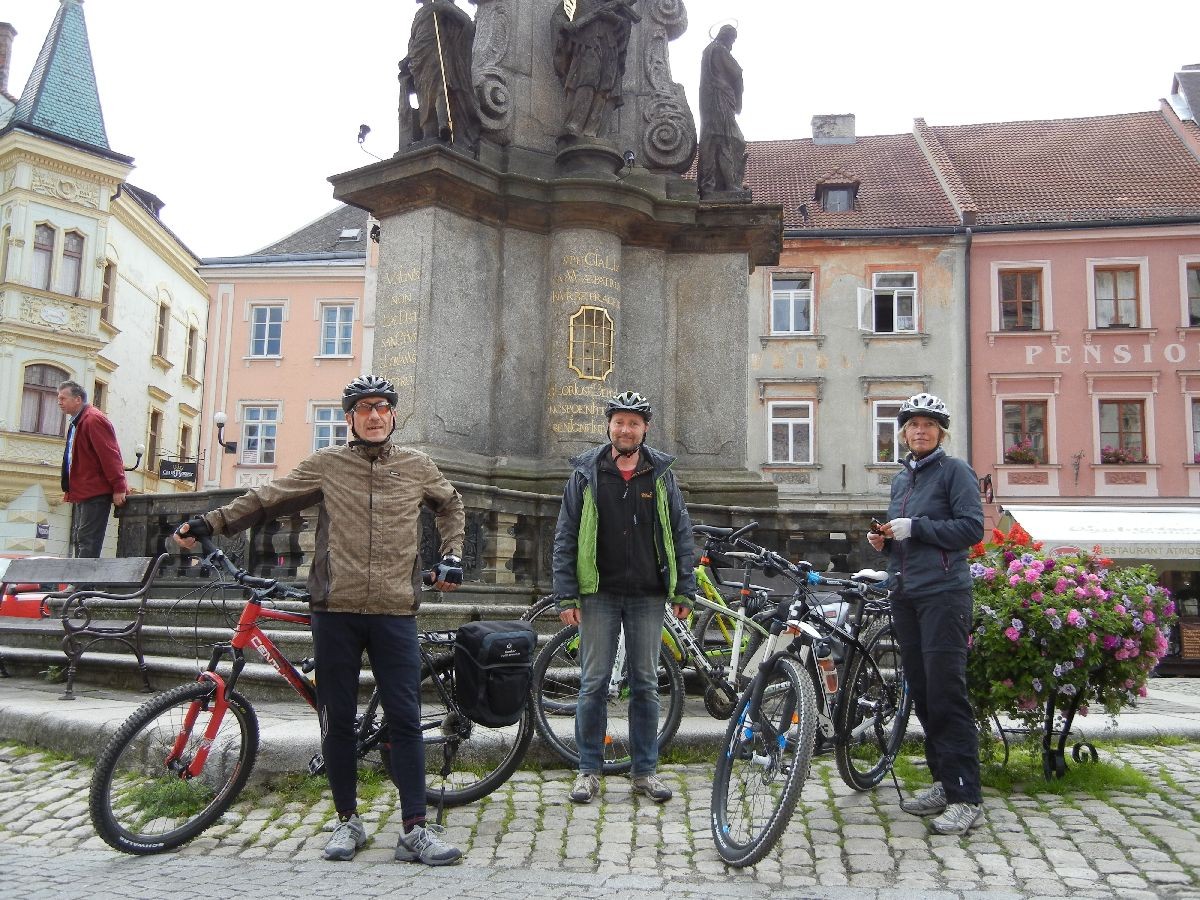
<point x="526" y="837"/>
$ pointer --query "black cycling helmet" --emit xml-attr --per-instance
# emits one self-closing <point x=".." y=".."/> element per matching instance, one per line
<point x="629" y="401"/>
<point x="368" y="386"/>
<point x="924" y="405"/>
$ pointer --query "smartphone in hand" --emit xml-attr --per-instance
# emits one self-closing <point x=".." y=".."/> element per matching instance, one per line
<point x="876" y="527"/>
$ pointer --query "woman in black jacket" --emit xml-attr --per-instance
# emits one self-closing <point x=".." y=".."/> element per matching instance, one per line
<point x="935" y="516"/>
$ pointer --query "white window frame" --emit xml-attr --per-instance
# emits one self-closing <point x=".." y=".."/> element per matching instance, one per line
<point x="1193" y="415"/>
<point x="328" y="416"/>
<point x="1185" y="311"/>
<point x="800" y="295"/>
<point x="877" y="420"/>
<point x="999" y="267"/>
<point x="1142" y="263"/>
<point x="252" y="425"/>
<point x="868" y="296"/>
<point x="325" y="307"/>
<point x="46" y="283"/>
<point x="792" y="422"/>
<point x="254" y="325"/>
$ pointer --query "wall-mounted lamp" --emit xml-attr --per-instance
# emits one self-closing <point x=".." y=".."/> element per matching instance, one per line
<point x="139" y="453"/>
<point x="220" y="420"/>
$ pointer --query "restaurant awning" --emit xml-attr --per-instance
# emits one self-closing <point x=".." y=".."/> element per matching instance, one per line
<point x="1145" y="533"/>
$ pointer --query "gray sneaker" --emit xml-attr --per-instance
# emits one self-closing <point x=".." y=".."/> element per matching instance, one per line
<point x="929" y="802"/>
<point x="424" y="844"/>
<point x="652" y="786"/>
<point x="586" y="787"/>
<point x="959" y="818"/>
<point x="348" y="838"/>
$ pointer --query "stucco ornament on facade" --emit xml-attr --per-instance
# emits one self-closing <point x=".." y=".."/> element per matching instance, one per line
<point x="669" y="136"/>
<point x="72" y="190"/>
<point x="493" y="22"/>
<point x="54" y="315"/>
<point x="31" y="451"/>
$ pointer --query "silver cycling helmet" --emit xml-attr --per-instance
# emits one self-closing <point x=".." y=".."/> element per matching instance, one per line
<point x="629" y="401"/>
<point x="368" y="386"/>
<point x="924" y="405"/>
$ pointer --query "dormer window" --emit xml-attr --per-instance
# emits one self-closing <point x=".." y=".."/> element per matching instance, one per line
<point x="837" y="199"/>
<point x="350" y="234"/>
<point x="836" y="192"/>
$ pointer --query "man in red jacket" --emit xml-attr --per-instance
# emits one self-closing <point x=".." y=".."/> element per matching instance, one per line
<point x="93" y="472"/>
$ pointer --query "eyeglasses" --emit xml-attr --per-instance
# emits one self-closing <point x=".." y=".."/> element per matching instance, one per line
<point x="364" y="407"/>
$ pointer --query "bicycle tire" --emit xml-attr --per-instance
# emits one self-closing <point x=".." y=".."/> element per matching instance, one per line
<point x="757" y="783"/>
<point x="484" y="757"/>
<point x="542" y="608"/>
<point x="873" y="715"/>
<point x="137" y="804"/>
<point x="554" y="694"/>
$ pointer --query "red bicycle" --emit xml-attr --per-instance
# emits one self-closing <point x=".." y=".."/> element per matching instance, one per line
<point x="175" y="765"/>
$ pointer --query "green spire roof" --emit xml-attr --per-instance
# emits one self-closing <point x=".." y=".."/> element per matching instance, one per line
<point x="60" y="99"/>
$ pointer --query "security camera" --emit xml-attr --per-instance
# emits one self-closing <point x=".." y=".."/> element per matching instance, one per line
<point x="629" y="158"/>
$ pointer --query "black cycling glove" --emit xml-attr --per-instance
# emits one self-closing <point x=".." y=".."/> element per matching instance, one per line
<point x="197" y="528"/>
<point x="449" y="570"/>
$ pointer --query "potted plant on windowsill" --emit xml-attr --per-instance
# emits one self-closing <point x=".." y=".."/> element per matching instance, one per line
<point x="1119" y="456"/>
<point x="1021" y="453"/>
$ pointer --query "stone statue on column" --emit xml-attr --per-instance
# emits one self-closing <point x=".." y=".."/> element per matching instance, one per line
<point x="438" y="71"/>
<point x="722" y="166"/>
<point x="591" y="39"/>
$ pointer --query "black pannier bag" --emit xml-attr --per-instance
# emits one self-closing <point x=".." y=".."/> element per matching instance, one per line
<point x="492" y="662"/>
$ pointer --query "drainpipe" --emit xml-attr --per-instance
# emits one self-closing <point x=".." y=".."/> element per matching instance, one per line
<point x="967" y="329"/>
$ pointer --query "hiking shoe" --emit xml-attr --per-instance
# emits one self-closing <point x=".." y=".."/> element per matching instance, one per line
<point x="347" y="838"/>
<point x="424" y="844"/>
<point x="652" y="786"/>
<point x="929" y="802"/>
<point x="959" y="818"/>
<point x="586" y="787"/>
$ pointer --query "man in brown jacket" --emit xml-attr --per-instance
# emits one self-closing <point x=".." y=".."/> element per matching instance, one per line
<point x="364" y="584"/>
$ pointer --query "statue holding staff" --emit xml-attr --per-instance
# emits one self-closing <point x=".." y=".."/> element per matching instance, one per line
<point x="438" y="69"/>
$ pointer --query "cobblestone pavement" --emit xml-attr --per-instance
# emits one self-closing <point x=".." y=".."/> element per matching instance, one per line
<point x="526" y="839"/>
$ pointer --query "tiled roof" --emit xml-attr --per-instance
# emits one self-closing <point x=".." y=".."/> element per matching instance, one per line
<point x="60" y="97"/>
<point x="897" y="187"/>
<point x="1105" y="168"/>
<point x="325" y="235"/>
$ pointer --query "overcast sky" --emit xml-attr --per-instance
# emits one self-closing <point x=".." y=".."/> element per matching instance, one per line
<point x="237" y="112"/>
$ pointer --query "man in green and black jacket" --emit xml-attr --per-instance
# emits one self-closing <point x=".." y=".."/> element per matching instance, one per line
<point x="623" y="547"/>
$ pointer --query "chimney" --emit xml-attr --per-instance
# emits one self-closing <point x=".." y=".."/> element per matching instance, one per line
<point x="833" y="129"/>
<point x="7" y="33"/>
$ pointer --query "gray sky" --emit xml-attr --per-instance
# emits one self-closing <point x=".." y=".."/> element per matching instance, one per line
<point x="237" y="112"/>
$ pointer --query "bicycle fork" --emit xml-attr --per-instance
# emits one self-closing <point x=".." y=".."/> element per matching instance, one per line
<point x="196" y="766"/>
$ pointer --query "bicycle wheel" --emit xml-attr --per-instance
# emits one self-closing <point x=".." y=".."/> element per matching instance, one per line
<point x="542" y="609"/>
<point x="758" y="781"/>
<point x="872" y="716"/>
<point x="480" y="758"/>
<point x="555" y="693"/>
<point x="139" y="802"/>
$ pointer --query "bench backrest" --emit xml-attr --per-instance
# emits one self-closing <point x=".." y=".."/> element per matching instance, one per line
<point x="125" y="570"/>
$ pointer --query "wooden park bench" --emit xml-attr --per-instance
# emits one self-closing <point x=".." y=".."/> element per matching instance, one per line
<point x="93" y="585"/>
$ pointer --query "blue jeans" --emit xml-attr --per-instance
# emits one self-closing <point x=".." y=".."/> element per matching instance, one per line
<point x="601" y="619"/>
<point x="391" y="643"/>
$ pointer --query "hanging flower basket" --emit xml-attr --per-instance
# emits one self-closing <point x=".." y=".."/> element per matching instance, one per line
<point x="1060" y="634"/>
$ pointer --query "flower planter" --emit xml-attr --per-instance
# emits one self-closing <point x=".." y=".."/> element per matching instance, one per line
<point x="1054" y="634"/>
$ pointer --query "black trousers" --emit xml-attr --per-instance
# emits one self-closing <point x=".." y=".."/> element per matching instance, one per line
<point x="88" y="526"/>
<point x="391" y="644"/>
<point x="933" y="632"/>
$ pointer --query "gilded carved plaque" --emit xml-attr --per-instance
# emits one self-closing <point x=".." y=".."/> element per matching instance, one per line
<point x="591" y="343"/>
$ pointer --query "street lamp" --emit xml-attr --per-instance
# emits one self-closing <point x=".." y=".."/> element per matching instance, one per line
<point x="220" y="420"/>
<point x="139" y="453"/>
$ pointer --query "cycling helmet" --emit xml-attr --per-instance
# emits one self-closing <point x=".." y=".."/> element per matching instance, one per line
<point x="368" y="386"/>
<point x="629" y="401"/>
<point x="924" y="405"/>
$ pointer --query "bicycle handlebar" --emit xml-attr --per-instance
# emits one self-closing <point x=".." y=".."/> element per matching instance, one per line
<point x="214" y="557"/>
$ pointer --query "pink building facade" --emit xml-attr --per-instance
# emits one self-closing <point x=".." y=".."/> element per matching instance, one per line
<point x="288" y="327"/>
<point x="1085" y="353"/>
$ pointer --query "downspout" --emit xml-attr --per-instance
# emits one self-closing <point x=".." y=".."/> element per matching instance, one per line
<point x="967" y="329"/>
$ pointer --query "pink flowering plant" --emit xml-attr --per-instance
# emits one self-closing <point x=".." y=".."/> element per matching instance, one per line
<point x="1062" y="627"/>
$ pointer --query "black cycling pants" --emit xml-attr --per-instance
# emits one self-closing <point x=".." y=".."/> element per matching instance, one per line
<point x="339" y="640"/>
<point x="933" y="634"/>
